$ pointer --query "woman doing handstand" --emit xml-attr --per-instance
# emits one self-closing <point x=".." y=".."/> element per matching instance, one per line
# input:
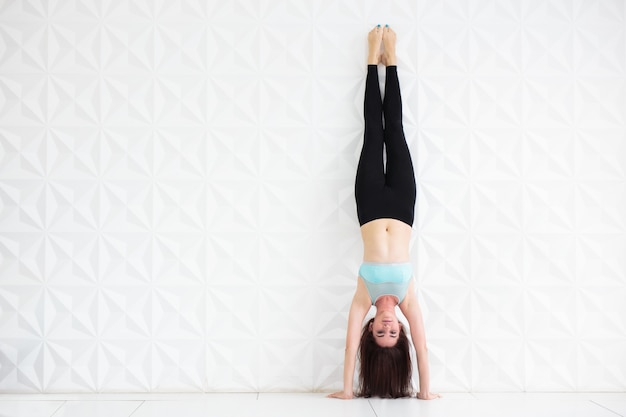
<point x="385" y="206"/>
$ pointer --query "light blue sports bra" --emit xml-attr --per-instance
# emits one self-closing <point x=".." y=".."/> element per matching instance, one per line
<point x="386" y="279"/>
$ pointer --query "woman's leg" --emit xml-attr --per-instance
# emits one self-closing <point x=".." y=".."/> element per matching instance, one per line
<point x="400" y="177"/>
<point x="399" y="165"/>
<point x="370" y="174"/>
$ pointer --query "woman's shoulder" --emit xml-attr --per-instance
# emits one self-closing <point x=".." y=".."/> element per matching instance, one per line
<point x="361" y="295"/>
<point x="410" y="296"/>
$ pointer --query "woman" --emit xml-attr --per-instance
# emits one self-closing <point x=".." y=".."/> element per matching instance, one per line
<point x="385" y="207"/>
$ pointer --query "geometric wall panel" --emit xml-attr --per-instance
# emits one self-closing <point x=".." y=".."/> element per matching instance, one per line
<point x="177" y="192"/>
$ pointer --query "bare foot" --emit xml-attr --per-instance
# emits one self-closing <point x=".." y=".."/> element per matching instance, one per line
<point x="374" y="40"/>
<point x="389" y="43"/>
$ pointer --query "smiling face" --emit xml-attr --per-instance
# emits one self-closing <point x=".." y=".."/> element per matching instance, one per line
<point x="385" y="329"/>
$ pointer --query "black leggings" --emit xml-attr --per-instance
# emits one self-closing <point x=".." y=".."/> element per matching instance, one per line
<point x="379" y="194"/>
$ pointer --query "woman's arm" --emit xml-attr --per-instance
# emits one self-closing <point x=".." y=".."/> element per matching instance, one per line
<point x="411" y="310"/>
<point x="361" y="304"/>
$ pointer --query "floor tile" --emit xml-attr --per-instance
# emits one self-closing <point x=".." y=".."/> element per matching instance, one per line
<point x="243" y="405"/>
<point x="98" y="408"/>
<point x="314" y="405"/>
<point x="445" y="407"/>
<point x="532" y="396"/>
<point x="222" y="405"/>
<point x="613" y="402"/>
<point x="28" y="408"/>
<point x="517" y="405"/>
<point x="544" y="404"/>
<point x="458" y="396"/>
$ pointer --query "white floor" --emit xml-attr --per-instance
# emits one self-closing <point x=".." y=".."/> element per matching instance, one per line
<point x="288" y="405"/>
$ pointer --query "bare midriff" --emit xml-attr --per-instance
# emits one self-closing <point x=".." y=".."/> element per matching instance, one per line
<point x="386" y="240"/>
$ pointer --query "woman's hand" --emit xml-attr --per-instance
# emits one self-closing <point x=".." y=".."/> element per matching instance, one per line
<point x="428" y="395"/>
<point x="341" y="395"/>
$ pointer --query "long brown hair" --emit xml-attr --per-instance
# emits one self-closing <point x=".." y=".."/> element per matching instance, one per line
<point x="385" y="371"/>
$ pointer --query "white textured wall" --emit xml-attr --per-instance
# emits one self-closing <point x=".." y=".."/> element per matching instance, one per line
<point x="176" y="191"/>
